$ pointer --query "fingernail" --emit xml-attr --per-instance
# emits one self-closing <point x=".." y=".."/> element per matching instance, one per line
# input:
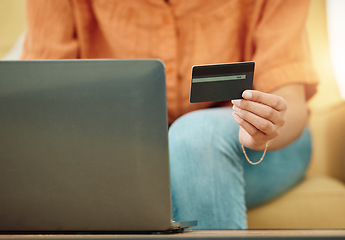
<point x="236" y="102"/>
<point x="236" y="109"/>
<point x="247" y="95"/>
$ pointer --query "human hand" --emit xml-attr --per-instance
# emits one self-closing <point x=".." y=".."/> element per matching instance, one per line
<point x="260" y="116"/>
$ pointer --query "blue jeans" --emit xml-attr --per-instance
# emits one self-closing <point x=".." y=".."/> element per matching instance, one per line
<point x="212" y="182"/>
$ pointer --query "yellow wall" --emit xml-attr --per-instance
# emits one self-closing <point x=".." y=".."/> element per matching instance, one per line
<point x="328" y="93"/>
<point x="12" y="23"/>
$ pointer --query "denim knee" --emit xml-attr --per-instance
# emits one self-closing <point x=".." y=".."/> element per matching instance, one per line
<point x="204" y="130"/>
<point x="206" y="173"/>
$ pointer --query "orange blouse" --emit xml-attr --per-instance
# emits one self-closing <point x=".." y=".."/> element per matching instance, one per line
<point x="181" y="33"/>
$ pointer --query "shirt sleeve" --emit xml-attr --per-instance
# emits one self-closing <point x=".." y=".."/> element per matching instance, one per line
<point x="50" y="32"/>
<point x="279" y="46"/>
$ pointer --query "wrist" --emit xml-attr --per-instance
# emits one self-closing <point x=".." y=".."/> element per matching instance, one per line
<point x="258" y="147"/>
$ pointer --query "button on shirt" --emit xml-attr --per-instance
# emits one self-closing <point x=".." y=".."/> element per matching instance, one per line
<point x="181" y="33"/>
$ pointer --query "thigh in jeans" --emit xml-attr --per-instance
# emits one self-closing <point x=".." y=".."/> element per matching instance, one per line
<point x="278" y="172"/>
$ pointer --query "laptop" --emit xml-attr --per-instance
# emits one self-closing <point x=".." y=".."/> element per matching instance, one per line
<point x="84" y="147"/>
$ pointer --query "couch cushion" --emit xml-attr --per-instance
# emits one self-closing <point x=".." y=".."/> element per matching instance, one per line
<point x="317" y="202"/>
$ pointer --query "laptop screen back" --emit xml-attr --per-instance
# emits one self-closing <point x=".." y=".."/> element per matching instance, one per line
<point x="83" y="146"/>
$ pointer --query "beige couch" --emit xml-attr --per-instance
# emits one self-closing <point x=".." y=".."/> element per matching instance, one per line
<point x="319" y="201"/>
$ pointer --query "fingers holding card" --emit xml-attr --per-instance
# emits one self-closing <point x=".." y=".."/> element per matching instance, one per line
<point x="260" y="116"/>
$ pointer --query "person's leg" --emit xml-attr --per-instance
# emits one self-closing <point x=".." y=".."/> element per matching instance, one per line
<point x="206" y="172"/>
<point x="278" y="172"/>
<point x="208" y="181"/>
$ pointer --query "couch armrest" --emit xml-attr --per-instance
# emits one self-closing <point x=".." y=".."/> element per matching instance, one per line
<point x="328" y="135"/>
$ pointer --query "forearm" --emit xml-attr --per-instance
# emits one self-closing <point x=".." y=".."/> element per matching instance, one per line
<point x="296" y="116"/>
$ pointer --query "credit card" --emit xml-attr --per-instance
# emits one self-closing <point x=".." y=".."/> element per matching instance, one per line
<point x="221" y="82"/>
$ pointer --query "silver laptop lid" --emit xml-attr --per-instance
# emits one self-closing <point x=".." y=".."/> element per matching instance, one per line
<point x="83" y="146"/>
